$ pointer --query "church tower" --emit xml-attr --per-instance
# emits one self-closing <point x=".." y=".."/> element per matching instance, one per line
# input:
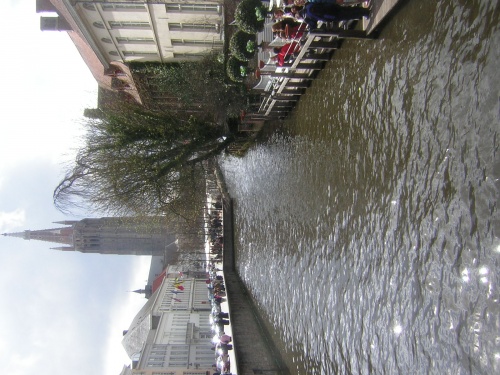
<point x="108" y="235"/>
<point x="63" y="235"/>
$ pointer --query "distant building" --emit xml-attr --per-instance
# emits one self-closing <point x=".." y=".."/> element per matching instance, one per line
<point x="109" y="34"/>
<point x="108" y="235"/>
<point x="172" y="334"/>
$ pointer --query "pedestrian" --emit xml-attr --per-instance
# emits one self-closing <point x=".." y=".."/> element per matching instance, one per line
<point x="329" y="12"/>
<point x="284" y="53"/>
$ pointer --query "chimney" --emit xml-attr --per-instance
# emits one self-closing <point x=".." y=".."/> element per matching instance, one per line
<point x="43" y="6"/>
<point x="54" y="24"/>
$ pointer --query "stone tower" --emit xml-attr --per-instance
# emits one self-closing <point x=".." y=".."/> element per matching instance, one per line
<point x="108" y="235"/>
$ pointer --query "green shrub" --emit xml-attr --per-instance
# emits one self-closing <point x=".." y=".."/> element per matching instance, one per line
<point x="242" y="45"/>
<point x="236" y="70"/>
<point x="250" y="16"/>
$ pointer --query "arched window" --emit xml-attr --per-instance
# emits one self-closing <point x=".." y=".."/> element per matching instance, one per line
<point x="107" y="40"/>
<point x="98" y="24"/>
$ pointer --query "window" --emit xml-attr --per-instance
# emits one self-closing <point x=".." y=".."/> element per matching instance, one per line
<point x="88" y="6"/>
<point x="128" y="25"/>
<point x="98" y="24"/>
<point x="110" y="7"/>
<point x="193" y="8"/>
<point x="113" y="53"/>
<point x="139" y="53"/>
<point x="123" y="40"/>
<point x="177" y="364"/>
<point x="155" y="364"/>
<point x="211" y="27"/>
<point x="192" y="42"/>
<point x="155" y="358"/>
<point x="188" y="55"/>
<point x="106" y="40"/>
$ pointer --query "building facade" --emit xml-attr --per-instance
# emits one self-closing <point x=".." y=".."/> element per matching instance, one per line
<point x="172" y="332"/>
<point x="109" y="34"/>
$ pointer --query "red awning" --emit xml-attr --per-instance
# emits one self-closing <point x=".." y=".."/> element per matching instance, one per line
<point x="157" y="282"/>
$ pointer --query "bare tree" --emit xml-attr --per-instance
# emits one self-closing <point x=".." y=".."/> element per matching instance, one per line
<point x="140" y="163"/>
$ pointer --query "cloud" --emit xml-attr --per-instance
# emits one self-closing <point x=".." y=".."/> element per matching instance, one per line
<point x="72" y="309"/>
<point x="62" y="313"/>
<point x="11" y="220"/>
<point x="123" y="313"/>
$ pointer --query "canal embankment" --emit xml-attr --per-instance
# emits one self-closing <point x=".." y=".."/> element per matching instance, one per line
<point x="254" y="348"/>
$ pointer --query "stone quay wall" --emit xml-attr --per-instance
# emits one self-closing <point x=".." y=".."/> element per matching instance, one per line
<point x="255" y="350"/>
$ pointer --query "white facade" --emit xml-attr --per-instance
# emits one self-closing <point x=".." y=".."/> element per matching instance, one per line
<point x="172" y="334"/>
<point x="160" y="31"/>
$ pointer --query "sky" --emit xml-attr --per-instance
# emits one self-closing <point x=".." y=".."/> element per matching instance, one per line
<point x="60" y="313"/>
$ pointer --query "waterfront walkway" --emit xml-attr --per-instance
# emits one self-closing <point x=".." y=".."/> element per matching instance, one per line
<point x="254" y="348"/>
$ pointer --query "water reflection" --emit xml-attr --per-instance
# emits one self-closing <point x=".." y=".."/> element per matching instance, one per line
<point x="368" y="230"/>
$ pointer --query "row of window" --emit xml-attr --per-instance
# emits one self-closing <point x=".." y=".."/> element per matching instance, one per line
<point x="173" y="7"/>
<point x="210" y="27"/>
<point x="175" y="42"/>
<point x="134" y="53"/>
<point x="110" y="7"/>
<point x="187" y="55"/>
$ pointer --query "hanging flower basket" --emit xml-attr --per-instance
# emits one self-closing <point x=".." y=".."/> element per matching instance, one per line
<point x="242" y="45"/>
<point x="236" y="70"/>
<point x="250" y="16"/>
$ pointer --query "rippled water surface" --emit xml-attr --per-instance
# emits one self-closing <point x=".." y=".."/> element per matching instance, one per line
<point x="368" y="229"/>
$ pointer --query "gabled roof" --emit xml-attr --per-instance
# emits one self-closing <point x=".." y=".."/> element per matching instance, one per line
<point x="137" y="334"/>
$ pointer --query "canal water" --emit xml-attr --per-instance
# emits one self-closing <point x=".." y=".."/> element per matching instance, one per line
<point x="367" y="227"/>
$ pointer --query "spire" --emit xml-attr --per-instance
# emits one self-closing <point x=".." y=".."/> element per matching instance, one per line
<point x="63" y="248"/>
<point x="25" y="235"/>
<point x="65" y="222"/>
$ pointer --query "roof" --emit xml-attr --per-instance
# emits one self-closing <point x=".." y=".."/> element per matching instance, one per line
<point x="137" y="334"/>
<point x="158" y="281"/>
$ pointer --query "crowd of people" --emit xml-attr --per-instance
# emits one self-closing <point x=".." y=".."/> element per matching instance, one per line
<point x="219" y="315"/>
<point x="219" y="320"/>
<point x="296" y="17"/>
